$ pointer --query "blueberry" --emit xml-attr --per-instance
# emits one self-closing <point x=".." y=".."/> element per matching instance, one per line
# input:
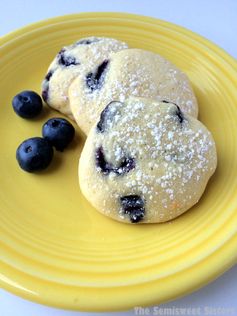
<point x="34" y="154"/>
<point x="94" y="80"/>
<point x="59" y="132"/>
<point x="136" y="215"/>
<point x="126" y="165"/>
<point x="179" y="114"/>
<point x="133" y="205"/>
<point x="49" y="75"/>
<point x="45" y="92"/>
<point x="66" y="61"/>
<point x="27" y="104"/>
<point x="87" y="41"/>
<point x="101" y="163"/>
<point x="107" y="115"/>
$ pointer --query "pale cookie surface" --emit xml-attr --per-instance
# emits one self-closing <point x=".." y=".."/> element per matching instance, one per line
<point x="131" y="72"/>
<point x="78" y="58"/>
<point x="146" y="161"/>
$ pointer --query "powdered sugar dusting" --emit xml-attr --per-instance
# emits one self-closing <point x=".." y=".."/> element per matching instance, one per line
<point x="133" y="72"/>
<point x="85" y="57"/>
<point x="170" y="156"/>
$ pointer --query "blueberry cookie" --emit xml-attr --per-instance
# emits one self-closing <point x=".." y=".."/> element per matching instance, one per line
<point x="78" y="58"/>
<point x="146" y="161"/>
<point x="132" y="72"/>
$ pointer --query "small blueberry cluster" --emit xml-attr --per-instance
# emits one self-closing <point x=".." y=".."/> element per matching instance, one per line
<point x="36" y="153"/>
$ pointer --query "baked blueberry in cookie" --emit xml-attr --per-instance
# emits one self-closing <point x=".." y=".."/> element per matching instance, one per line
<point x="179" y="114"/>
<point x="49" y="75"/>
<point x="66" y="59"/>
<point x="79" y="59"/>
<point x="107" y="116"/>
<point x="105" y="167"/>
<point x="101" y="163"/>
<point x="88" y="41"/>
<point x="130" y="72"/>
<point x="133" y="205"/>
<point x="45" y="92"/>
<point x="94" y="80"/>
<point x="146" y="161"/>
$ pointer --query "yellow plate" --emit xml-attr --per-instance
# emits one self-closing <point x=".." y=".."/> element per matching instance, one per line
<point x="55" y="248"/>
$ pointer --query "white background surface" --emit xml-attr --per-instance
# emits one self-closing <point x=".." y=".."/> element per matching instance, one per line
<point x="214" y="19"/>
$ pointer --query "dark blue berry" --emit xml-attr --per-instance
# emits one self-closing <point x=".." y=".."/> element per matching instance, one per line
<point x="126" y="165"/>
<point x="66" y="61"/>
<point x="45" y="92"/>
<point x="27" y="104"/>
<point x="101" y="163"/>
<point x="133" y="205"/>
<point x="34" y="154"/>
<point x="179" y="114"/>
<point x="49" y="75"/>
<point x="59" y="132"/>
<point x="105" y="116"/>
<point x="87" y="41"/>
<point x="94" y="80"/>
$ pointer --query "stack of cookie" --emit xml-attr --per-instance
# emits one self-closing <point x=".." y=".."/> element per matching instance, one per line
<point x="147" y="158"/>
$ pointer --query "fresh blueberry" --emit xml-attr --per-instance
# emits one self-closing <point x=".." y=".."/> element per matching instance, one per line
<point x="34" y="154"/>
<point x="27" y="104"/>
<point x="94" y="80"/>
<point x="126" y="165"/>
<point x="133" y="205"/>
<point x="107" y="115"/>
<point x="59" y="132"/>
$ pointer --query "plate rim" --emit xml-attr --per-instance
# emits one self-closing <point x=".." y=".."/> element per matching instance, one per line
<point x="56" y="19"/>
<point x="230" y="243"/>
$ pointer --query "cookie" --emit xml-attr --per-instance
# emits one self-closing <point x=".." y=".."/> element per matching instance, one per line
<point x="78" y="58"/>
<point x="146" y="161"/>
<point x="131" y="72"/>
